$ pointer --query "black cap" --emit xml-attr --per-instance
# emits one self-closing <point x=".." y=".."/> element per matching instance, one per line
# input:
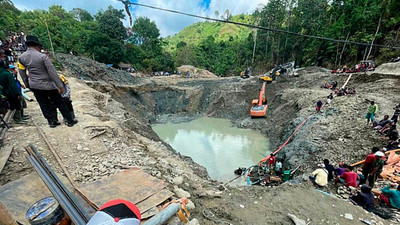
<point x="32" y="40"/>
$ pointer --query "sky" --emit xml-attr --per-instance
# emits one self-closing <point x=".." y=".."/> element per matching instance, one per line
<point x="168" y="23"/>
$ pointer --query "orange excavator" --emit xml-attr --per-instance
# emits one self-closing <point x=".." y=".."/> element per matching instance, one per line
<point x="259" y="106"/>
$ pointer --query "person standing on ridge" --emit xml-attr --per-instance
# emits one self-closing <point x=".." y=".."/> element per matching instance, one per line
<point x="396" y="113"/>
<point x="319" y="106"/>
<point x="43" y="81"/>
<point x="372" y="110"/>
<point x="377" y="168"/>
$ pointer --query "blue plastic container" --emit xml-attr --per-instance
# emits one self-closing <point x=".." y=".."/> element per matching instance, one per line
<point x="45" y="212"/>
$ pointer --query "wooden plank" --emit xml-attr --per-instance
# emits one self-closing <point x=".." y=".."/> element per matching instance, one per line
<point x="5" y="216"/>
<point x="4" y="155"/>
<point x="362" y="161"/>
<point x="151" y="212"/>
<point x="132" y="185"/>
<point x="154" y="200"/>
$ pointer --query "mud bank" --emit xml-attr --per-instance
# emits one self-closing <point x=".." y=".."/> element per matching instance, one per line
<point x="133" y="104"/>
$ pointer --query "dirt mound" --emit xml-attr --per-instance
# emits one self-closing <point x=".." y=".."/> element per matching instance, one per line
<point x="87" y="69"/>
<point x="310" y="69"/>
<point x="389" y="68"/>
<point x="195" y="72"/>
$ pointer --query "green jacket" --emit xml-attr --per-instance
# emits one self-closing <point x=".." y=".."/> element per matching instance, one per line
<point x="373" y="109"/>
<point x="393" y="195"/>
<point x="8" y="82"/>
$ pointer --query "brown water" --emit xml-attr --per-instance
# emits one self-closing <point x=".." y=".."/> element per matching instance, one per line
<point x="215" y="144"/>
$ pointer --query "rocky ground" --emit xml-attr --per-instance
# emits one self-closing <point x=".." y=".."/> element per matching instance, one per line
<point x="116" y="109"/>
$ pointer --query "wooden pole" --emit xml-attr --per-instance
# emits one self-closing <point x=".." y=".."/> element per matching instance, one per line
<point x="344" y="46"/>
<point x="5" y="217"/>
<point x="48" y="32"/>
<point x="376" y="33"/>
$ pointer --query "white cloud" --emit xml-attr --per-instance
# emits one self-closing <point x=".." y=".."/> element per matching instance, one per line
<point x="168" y="23"/>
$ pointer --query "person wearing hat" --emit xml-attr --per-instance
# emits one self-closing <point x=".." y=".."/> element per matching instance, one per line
<point x="118" y="212"/>
<point x="43" y="81"/>
<point x="319" y="176"/>
<point x="10" y="91"/>
<point x="376" y="169"/>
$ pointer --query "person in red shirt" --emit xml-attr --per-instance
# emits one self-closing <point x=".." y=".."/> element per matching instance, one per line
<point x="271" y="163"/>
<point x="349" y="178"/>
<point x="368" y="165"/>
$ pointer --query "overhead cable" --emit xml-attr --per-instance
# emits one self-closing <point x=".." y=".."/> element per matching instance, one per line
<point x="264" y="28"/>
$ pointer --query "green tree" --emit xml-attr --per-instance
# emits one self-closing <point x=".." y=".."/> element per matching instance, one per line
<point x="110" y="23"/>
<point x="105" y="49"/>
<point x="147" y="35"/>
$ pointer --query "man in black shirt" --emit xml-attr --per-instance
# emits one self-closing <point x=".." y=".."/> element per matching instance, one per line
<point x="329" y="168"/>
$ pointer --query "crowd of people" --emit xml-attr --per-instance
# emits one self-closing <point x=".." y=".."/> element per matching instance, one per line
<point x="372" y="166"/>
<point x="51" y="90"/>
<point x="13" y="46"/>
<point x="363" y="66"/>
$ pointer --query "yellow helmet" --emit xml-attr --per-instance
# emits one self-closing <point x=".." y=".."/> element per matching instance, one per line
<point x="63" y="79"/>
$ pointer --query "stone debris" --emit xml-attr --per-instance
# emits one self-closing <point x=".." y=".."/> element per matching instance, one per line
<point x="194" y="221"/>
<point x="190" y="205"/>
<point x="181" y="193"/>
<point x="177" y="180"/>
<point x="348" y="216"/>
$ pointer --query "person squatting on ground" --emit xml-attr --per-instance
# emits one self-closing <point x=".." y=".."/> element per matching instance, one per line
<point x="365" y="198"/>
<point x="330" y="169"/>
<point x="379" y="124"/>
<point x="10" y="91"/>
<point x="391" y="197"/>
<point x="348" y="178"/>
<point x="44" y="82"/>
<point x="372" y="110"/>
<point x="320" y="176"/>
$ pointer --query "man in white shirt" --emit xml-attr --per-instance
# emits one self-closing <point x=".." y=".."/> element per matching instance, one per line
<point x="319" y="176"/>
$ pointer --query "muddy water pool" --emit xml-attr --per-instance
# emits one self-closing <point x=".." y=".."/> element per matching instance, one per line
<point x="215" y="144"/>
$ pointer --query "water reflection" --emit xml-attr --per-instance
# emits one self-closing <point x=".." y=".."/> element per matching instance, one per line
<point x="215" y="144"/>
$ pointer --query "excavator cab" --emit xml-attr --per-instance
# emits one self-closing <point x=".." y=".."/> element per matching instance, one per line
<point x="259" y="106"/>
